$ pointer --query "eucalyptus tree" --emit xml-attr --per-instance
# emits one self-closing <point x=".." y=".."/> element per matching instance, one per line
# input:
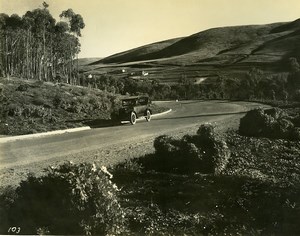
<point x="35" y="46"/>
<point x="11" y="35"/>
<point x="41" y="24"/>
<point x="76" y="24"/>
<point x="3" y="44"/>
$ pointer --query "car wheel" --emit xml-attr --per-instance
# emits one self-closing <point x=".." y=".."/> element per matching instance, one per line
<point x="132" y="118"/>
<point x="148" y="115"/>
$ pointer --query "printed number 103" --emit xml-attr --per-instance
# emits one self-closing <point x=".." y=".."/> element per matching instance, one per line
<point x="14" y="229"/>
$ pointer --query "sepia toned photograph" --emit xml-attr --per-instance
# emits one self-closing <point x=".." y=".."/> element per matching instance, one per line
<point x="150" y="117"/>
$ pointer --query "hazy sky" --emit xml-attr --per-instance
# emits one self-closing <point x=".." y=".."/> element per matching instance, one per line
<point x="113" y="26"/>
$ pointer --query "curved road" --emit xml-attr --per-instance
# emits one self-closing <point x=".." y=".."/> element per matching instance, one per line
<point x="184" y="114"/>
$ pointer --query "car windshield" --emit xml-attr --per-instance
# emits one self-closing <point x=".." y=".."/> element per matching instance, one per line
<point x="129" y="102"/>
<point x="135" y="101"/>
<point x="143" y="100"/>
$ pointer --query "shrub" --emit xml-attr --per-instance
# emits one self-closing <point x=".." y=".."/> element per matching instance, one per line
<point x="39" y="100"/>
<point x="14" y="110"/>
<point x="75" y="106"/>
<point x="253" y="123"/>
<point x="213" y="148"/>
<point x="4" y="129"/>
<point x="7" y="198"/>
<point x="165" y="144"/>
<point x="271" y="123"/>
<point x="22" y="87"/>
<point x="70" y="199"/>
<point x="60" y="101"/>
<point x="205" y="152"/>
<point x="127" y="167"/>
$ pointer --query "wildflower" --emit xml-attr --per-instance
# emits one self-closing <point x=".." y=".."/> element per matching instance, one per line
<point x="104" y="169"/>
<point x="115" y="187"/>
<point x="94" y="168"/>
<point x="110" y="194"/>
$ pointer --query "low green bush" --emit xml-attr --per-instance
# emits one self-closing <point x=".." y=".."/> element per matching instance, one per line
<point x="22" y="87"/>
<point x="165" y="144"/>
<point x="213" y="148"/>
<point x="70" y="199"/>
<point x="14" y="110"/>
<point x="270" y="123"/>
<point x="204" y="152"/>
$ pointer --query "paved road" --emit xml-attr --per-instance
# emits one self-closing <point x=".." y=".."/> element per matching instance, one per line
<point x="184" y="114"/>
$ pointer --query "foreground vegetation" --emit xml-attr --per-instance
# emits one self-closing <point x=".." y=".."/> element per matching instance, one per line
<point x="208" y="183"/>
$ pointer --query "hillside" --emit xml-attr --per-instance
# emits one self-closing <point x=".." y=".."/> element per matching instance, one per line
<point x="29" y="106"/>
<point x="86" y="61"/>
<point x="139" y="53"/>
<point x="221" y="45"/>
<point x="224" y="50"/>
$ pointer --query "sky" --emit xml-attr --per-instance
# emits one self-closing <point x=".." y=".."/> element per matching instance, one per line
<point x="114" y="26"/>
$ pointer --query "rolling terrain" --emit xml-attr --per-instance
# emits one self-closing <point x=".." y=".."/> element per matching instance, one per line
<point x="226" y="50"/>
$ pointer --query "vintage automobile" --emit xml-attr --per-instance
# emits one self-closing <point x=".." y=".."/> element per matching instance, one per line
<point x="135" y="107"/>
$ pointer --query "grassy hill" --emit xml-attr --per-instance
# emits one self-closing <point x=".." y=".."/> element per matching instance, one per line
<point x="219" y="42"/>
<point x="30" y="106"/>
<point x="225" y="50"/>
<point x="86" y="61"/>
<point x="139" y="53"/>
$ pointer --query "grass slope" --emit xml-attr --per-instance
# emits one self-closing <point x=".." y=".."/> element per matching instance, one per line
<point x="33" y="106"/>
<point x="137" y="53"/>
<point x="236" y="40"/>
<point x="87" y="60"/>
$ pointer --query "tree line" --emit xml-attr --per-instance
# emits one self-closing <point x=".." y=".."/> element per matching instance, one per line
<point x="252" y="85"/>
<point x="35" y="46"/>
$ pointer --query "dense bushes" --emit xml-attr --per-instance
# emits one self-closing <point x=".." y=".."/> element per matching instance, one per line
<point x="28" y="107"/>
<point x="70" y="199"/>
<point x="271" y="123"/>
<point x="204" y="152"/>
<point x="257" y="193"/>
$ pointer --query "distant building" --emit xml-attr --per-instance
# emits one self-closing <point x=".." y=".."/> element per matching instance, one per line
<point x="199" y="80"/>
<point x="144" y="73"/>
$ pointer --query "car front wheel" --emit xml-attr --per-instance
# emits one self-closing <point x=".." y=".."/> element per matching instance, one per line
<point x="132" y="118"/>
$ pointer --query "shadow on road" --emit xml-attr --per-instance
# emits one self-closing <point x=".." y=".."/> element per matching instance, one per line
<point x="100" y="123"/>
<point x="97" y="123"/>
<point x="204" y="115"/>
